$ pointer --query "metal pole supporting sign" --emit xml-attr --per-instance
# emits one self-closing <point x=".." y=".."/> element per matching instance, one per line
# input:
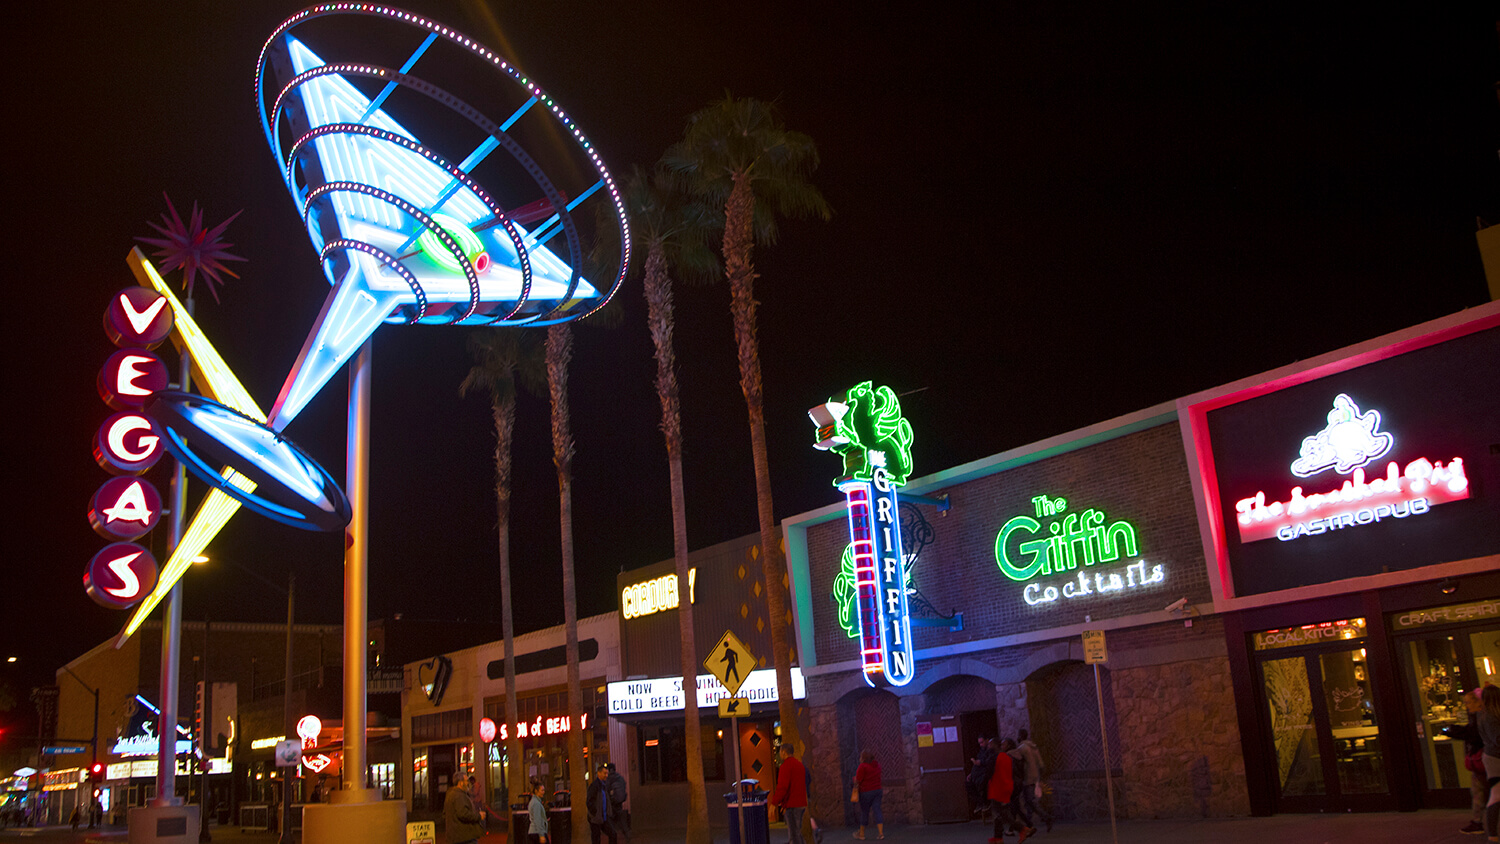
<point x="1094" y="653"/>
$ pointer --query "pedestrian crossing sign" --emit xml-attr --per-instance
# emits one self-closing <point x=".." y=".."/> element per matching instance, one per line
<point x="730" y="661"/>
<point x="734" y="707"/>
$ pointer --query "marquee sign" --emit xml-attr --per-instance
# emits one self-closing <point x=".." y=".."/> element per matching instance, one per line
<point x="664" y="694"/>
<point x="1024" y="550"/>
<point x="125" y="508"/>
<point x="658" y="594"/>
<point x="127" y="443"/>
<point x="1351" y="440"/>
<point x="866" y="428"/>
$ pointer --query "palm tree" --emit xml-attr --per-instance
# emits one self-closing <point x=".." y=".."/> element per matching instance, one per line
<point x="501" y="356"/>
<point x="672" y="232"/>
<point x="736" y="153"/>
<point x="559" y="354"/>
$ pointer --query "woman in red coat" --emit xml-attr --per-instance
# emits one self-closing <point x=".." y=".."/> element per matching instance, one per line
<point x="1002" y="786"/>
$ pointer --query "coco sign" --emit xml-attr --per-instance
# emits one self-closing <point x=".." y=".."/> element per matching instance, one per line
<point x="128" y="443"/>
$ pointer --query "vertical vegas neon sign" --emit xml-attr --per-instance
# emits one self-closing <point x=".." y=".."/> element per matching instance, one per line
<point x="865" y="427"/>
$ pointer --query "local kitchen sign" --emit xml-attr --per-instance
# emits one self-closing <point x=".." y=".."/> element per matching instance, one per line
<point x="1349" y="482"/>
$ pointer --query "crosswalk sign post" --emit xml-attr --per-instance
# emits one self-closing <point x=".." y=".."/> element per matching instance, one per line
<point x="731" y="662"/>
<point x="733" y="707"/>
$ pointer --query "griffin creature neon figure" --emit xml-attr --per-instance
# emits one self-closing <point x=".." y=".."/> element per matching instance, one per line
<point x="865" y="426"/>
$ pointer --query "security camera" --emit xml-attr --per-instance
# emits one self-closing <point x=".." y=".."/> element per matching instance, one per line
<point x="1177" y="605"/>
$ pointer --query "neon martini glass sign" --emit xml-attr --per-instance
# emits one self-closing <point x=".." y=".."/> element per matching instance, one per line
<point x="1350" y="441"/>
<point x="866" y="428"/>
<point x="405" y="233"/>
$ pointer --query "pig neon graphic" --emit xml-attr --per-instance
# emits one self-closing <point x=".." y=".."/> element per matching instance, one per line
<point x="1351" y="440"/>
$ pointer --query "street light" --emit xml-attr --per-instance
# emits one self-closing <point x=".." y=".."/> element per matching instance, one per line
<point x="290" y="592"/>
<point x="93" y="742"/>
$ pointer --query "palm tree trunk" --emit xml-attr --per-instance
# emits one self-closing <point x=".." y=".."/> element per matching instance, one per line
<point x="739" y="213"/>
<point x="505" y="425"/>
<point x="559" y="354"/>
<point x="659" y="317"/>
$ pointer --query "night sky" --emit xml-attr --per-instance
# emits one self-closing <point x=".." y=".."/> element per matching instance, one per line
<point x="1044" y="218"/>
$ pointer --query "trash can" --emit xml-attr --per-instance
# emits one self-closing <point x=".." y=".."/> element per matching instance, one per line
<point x="751" y="802"/>
<point x="520" y="822"/>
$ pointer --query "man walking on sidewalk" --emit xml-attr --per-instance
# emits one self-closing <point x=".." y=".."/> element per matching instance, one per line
<point x="791" y="792"/>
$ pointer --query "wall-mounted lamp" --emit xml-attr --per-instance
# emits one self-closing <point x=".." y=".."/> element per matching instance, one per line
<point x="1448" y="586"/>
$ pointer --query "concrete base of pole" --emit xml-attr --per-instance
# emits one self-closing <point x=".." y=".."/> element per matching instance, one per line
<point x="354" y="815"/>
<point x="164" y="825"/>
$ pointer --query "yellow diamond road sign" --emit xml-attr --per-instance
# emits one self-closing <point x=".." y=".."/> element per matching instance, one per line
<point x="730" y="661"/>
<point x="734" y="707"/>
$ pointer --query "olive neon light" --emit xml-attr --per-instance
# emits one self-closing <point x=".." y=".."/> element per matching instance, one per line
<point x="468" y="241"/>
<point x="1071" y="540"/>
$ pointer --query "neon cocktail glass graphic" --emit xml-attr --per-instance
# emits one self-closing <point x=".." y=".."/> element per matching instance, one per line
<point x="425" y="204"/>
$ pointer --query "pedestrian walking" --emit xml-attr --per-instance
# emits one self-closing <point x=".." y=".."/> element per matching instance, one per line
<point x="1001" y="794"/>
<point x="1489" y="732"/>
<point x="597" y="803"/>
<point x="1029" y="804"/>
<point x="978" y="779"/>
<point x="614" y="786"/>
<point x="537" y="815"/>
<point x="867" y="792"/>
<point x="791" y="792"/>
<point x="460" y="817"/>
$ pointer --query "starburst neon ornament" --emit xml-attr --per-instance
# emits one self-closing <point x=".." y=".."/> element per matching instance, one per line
<point x="192" y="247"/>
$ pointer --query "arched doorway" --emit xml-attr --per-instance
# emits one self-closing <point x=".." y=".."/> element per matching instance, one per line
<point x="1064" y="714"/>
<point x="870" y="719"/>
<point x="960" y="711"/>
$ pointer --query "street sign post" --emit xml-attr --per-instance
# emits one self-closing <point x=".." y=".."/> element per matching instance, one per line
<point x="733" y="707"/>
<point x="731" y="662"/>
<point x="1094" y="653"/>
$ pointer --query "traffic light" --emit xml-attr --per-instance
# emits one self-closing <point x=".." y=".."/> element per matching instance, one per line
<point x="96" y="772"/>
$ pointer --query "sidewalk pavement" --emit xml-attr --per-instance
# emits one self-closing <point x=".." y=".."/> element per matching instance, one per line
<point x="1431" y="826"/>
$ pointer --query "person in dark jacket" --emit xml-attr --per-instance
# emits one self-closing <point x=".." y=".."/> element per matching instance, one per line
<point x="791" y="792"/>
<point x="461" y="817"/>
<point x="1489" y="733"/>
<point x="614" y="787"/>
<point x="597" y="802"/>
<point x="978" y="779"/>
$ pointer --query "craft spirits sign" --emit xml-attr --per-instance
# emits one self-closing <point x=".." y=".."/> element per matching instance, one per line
<point x="866" y="428"/>
<point x="1066" y="553"/>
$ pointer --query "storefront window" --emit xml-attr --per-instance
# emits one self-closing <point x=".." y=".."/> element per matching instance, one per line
<point x="1486" y="647"/>
<point x="1435" y="687"/>
<point x="662" y="752"/>
<point x="1351" y="718"/>
<point x="383" y="776"/>
<point x="1298" y="762"/>
<point x="419" y="778"/>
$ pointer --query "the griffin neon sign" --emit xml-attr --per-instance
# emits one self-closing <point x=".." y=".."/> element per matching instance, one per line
<point x="1024" y="551"/>
<point x="1350" y="441"/>
<point x="866" y="428"/>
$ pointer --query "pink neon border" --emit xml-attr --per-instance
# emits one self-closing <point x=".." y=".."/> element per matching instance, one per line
<point x="1198" y="419"/>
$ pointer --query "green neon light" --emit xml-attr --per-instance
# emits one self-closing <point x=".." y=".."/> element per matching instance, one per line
<point x="1071" y="539"/>
<point x="867" y="428"/>
<point x="843" y="594"/>
<point x="468" y="241"/>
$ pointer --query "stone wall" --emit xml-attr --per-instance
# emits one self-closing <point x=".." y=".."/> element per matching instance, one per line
<point x="1181" y="740"/>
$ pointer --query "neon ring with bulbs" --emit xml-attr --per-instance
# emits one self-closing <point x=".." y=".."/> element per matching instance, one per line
<point x="488" y="218"/>
<point x="439" y="185"/>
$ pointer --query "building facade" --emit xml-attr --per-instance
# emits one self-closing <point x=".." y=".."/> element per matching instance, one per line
<point x="1350" y="515"/>
<point x="445" y="697"/>
<point x="1295" y="575"/>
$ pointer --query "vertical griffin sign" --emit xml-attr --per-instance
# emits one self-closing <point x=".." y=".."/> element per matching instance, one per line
<point x="865" y="426"/>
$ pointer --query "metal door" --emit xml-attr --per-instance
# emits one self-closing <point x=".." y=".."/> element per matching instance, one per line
<point x="941" y="757"/>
